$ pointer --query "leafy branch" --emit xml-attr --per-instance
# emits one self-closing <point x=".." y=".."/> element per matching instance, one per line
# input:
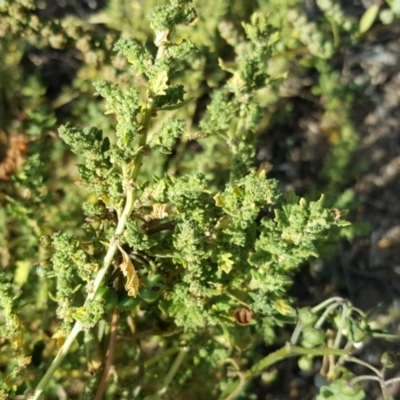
<point x="127" y="113"/>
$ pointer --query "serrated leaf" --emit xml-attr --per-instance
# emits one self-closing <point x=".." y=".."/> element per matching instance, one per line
<point x="283" y="307"/>
<point x="176" y="106"/>
<point x="236" y="84"/>
<point x="225" y="263"/>
<point x="368" y="18"/>
<point x="341" y="389"/>
<point x="158" y="84"/>
<point x="219" y="200"/>
<point x="128" y="270"/>
<point x="194" y="317"/>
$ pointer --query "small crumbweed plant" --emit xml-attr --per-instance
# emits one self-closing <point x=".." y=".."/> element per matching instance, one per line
<point x="183" y="260"/>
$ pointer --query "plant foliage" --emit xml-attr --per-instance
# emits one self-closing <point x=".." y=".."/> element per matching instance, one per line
<point x="159" y="231"/>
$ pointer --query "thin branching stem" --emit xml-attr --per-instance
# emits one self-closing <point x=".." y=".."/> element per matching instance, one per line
<point x="101" y="389"/>
<point x="112" y="249"/>
<point x="283" y="353"/>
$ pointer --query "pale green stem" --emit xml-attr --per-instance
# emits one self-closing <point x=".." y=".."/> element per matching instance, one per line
<point x="285" y="352"/>
<point x="385" y="394"/>
<point x="392" y="381"/>
<point x="325" y="314"/>
<point x="330" y="305"/>
<point x="343" y="319"/>
<point x="62" y="352"/>
<point x="159" y="357"/>
<point x="363" y="363"/>
<point x="326" y="303"/>
<point x="171" y="373"/>
<point x="296" y="333"/>
<point x="336" y="36"/>
<point x="130" y="197"/>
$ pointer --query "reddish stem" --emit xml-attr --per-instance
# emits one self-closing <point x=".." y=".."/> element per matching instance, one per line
<point x="101" y="389"/>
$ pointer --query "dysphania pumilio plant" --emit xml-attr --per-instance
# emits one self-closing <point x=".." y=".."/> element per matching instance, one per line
<point x="193" y="262"/>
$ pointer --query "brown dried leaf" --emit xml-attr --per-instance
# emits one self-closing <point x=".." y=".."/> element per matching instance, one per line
<point x="12" y="159"/>
<point x="390" y="239"/>
<point x="243" y="316"/>
<point x="160" y="211"/>
<point x="264" y="168"/>
<point x="127" y="268"/>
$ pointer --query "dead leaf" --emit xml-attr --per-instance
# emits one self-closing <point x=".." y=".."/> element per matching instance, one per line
<point x="160" y="211"/>
<point x="127" y="268"/>
<point x="264" y="168"/>
<point x="59" y="336"/>
<point x="243" y="316"/>
<point x="13" y="158"/>
<point x="390" y="239"/>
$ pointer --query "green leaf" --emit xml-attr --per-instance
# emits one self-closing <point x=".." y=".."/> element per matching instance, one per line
<point x="368" y="18"/>
<point x="386" y="16"/>
<point x="158" y="84"/>
<point x="283" y="307"/>
<point x="177" y="106"/>
<point x="395" y="7"/>
<point x="165" y="138"/>
<point x="136" y="54"/>
<point x="225" y="262"/>
<point x="340" y="389"/>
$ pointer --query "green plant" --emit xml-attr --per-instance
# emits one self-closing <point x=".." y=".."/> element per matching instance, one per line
<point x="189" y="254"/>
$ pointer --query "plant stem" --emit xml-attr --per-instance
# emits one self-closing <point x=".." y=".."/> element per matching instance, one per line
<point x="285" y="352"/>
<point x="62" y="352"/>
<point x="327" y="302"/>
<point x="110" y="356"/>
<point x="143" y="138"/>
<point x="365" y="364"/>
<point x="385" y="394"/>
<point x="171" y="373"/>
<point x="123" y="218"/>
